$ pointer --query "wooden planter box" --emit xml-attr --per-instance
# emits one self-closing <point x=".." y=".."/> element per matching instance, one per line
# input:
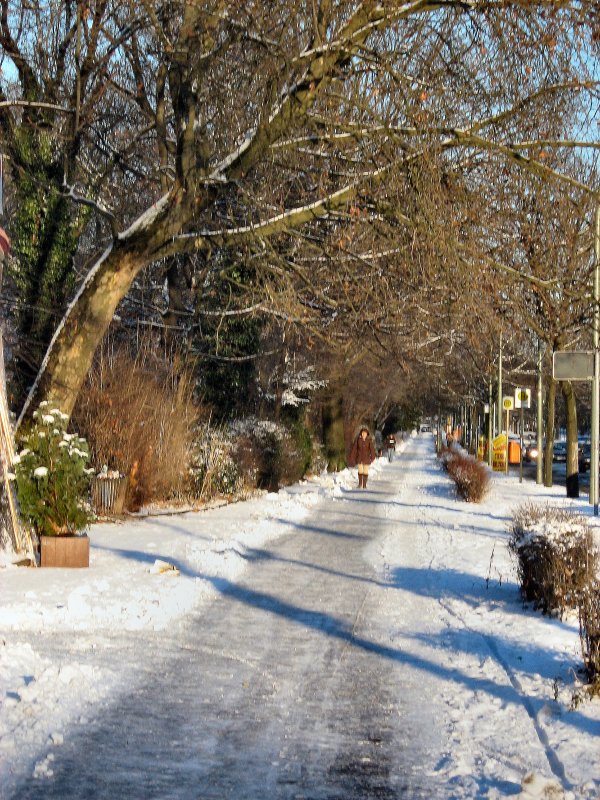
<point x="68" y="550"/>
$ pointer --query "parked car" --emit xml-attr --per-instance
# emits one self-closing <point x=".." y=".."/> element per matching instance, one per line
<point x="559" y="452"/>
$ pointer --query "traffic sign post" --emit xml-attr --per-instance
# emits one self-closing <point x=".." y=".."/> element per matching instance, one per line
<point x="522" y="400"/>
<point x="507" y="405"/>
<point x="585" y="366"/>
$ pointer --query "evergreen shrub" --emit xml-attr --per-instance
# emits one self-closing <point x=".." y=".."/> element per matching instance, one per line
<point x="268" y="454"/>
<point x="556" y="560"/>
<point x="52" y="475"/>
<point x="212" y="470"/>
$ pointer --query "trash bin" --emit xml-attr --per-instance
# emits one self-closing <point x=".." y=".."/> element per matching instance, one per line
<point x="514" y="452"/>
<point x="108" y="494"/>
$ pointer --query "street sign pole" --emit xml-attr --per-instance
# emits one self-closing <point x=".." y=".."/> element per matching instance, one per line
<point x="500" y="389"/>
<point x="507" y="429"/>
<point x="521" y="447"/>
<point x="490" y="423"/>
<point x="540" y="418"/>
<point x="596" y="378"/>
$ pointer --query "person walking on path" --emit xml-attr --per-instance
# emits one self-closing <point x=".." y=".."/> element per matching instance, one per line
<point x="390" y="444"/>
<point x="363" y="454"/>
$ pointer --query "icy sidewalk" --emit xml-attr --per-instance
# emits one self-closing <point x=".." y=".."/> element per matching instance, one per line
<point x="502" y="677"/>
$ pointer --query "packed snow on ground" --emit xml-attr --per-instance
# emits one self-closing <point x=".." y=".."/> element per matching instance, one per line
<point x="144" y="575"/>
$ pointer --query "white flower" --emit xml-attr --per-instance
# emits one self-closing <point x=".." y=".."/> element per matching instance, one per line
<point x="68" y="436"/>
<point x="11" y="476"/>
<point x="56" y="432"/>
<point x="64" y="417"/>
<point x="24" y="452"/>
<point x="44" y="403"/>
<point x="89" y="471"/>
<point x="42" y="434"/>
<point x="63" y="444"/>
<point x="40" y="472"/>
<point x="57" y="412"/>
<point x="16" y="459"/>
<point x="47" y="419"/>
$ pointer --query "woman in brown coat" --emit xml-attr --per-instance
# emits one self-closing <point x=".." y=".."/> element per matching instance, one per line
<point x="363" y="454"/>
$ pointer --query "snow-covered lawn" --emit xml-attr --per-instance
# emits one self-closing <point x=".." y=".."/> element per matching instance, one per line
<point x="471" y="632"/>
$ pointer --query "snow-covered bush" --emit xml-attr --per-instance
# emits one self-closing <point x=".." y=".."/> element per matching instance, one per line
<point x="589" y="633"/>
<point x="212" y="470"/>
<point x="52" y="476"/>
<point x="471" y="477"/>
<point x="269" y="454"/>
<point x="555" y="556"/>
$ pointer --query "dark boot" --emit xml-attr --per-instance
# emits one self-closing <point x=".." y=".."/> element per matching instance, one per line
<point x="365" y="481"/>
<point x="360" y="480"/>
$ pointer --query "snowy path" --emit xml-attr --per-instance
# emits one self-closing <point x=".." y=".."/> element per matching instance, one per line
<point x="361" y="654"/>
<point x="286" y="687"/>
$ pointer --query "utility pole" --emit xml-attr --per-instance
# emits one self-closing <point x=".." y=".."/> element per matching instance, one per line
<point x="540" y="419"/>
<point x="500" y="409"/>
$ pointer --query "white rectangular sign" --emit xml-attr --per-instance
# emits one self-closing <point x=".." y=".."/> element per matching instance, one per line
<point x="573" y="366"/>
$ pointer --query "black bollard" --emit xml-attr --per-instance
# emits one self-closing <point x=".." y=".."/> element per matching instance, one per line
<point x="573" y="485"/>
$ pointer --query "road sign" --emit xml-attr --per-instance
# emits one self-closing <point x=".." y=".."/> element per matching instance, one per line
<point x="500" y="455"/>
<point x="573" y="365"/>
<point x="522" y="398"/>
<point x="507" y="403"/>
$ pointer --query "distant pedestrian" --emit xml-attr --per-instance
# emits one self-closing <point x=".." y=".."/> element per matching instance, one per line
<point x="390" y="446"/>
<point x="378" y="443"/>
<point x="363" y="454"/>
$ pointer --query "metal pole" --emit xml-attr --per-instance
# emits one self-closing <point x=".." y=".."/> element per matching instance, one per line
<point x="507" y="450"/>
<point x="596" y="379"/>
<point x="490" y="422"/>
<point x="521" y="443"/>
<point x="500" y="389"/>
<point x="540" y="418"/>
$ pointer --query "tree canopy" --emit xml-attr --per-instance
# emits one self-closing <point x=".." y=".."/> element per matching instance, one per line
<point x="358" y="158"/>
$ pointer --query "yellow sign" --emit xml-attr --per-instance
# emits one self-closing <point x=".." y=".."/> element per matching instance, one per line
<point x="507" y="403"/>
<point x="522" y="398"/>
<point x="499" y="453"/>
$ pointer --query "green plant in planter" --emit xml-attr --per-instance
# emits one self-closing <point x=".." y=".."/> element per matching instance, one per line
<point x="51" y="475"/>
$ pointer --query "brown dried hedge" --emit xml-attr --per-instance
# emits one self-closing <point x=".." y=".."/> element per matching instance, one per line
<point x="471" y="477"/>
<point x="555" y="556"/>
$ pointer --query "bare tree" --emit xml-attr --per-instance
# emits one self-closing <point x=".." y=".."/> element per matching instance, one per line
<point x="287" y="132"/>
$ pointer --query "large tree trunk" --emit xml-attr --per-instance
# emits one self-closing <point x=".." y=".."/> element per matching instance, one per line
<point x="81" y="330"/>
<point x="70" y="354"/>
<point x="548" y="449"/>
<point x="572" y="442"/>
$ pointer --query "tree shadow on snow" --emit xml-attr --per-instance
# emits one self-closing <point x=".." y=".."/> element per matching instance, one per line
<point x="328" y="625"/>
